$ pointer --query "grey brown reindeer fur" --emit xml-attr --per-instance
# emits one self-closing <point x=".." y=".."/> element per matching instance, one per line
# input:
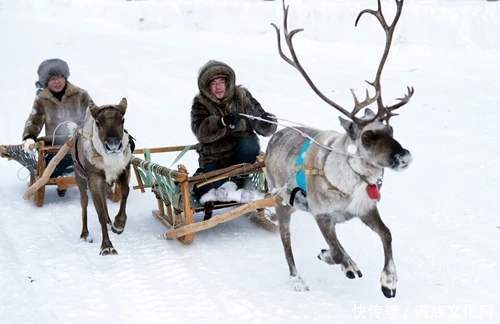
<point x="335" y="190"/>
<point x="102" y="158"/>
<point x="341" y="171"/>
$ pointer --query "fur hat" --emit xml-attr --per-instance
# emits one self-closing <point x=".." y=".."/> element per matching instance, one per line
<point x="50" y="68"/>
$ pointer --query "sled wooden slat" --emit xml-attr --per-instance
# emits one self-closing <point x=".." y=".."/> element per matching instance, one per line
<point x="220" y="206"/>
<point x="214" y="221"/>
<point x="213" y="176"/>
<point x="186" y="206"/>
<point x="63" y="182"/>
<point x="175" y="175"/>
<point x="161" y="217"/>
<point x="165" y="149"/>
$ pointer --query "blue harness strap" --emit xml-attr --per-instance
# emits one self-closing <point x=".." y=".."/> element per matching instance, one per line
<point x="300" y="176"/>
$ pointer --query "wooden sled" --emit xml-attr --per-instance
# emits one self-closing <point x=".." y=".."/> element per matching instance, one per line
<point x="176" y="209"/>
<point x="36" y="170"/>
<point x="40" y="177"/>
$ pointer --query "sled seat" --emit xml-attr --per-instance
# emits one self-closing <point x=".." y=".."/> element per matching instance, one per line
<point x="173" y="192"/>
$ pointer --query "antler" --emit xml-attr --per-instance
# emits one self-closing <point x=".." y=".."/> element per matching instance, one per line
<point x="294" y="61"/>
<point x="385" y="113"/>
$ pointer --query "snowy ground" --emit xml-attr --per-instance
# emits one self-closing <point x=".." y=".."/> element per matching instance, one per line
<point x="442" y="211"/>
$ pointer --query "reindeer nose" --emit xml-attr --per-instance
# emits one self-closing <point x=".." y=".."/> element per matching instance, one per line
<point x="401" y="160"/>
<point x="113" y="144"/>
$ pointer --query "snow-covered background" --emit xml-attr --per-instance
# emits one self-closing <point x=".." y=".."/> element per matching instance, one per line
<point x="443" y="211"/>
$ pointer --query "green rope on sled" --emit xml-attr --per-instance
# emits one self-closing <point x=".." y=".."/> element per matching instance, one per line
<point x="258" y="181"/>
<point x="169" y="190"/>
<point x="166" y="186"/>
<point x="146" y="176"/>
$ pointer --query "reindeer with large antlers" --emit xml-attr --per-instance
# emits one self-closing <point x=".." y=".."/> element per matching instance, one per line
<point x="334" y="176"/>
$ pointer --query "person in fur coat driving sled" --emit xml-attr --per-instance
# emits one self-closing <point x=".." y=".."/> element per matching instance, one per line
<point x="225" y="137"/>
<point x="60" y="106"/>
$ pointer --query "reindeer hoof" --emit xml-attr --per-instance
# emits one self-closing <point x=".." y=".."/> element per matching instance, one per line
<point x="86" y="238"/>
<point x="350" y="274"/>
<point x="108" y="251"/>
<point x="117" y="230"/>
<point x="351" y="270"/>
<point x="389" y="293"/>
<point x="389" y="281"/>
<point x="298" y="284"/>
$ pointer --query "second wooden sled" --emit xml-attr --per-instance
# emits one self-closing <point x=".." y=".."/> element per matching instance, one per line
<point x="40" y="175"/>
<point x="39" y="166"/>
<point x="172" y="188"/>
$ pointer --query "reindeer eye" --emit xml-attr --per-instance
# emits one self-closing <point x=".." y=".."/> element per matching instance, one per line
<point x="97" y="123"/>
<point x="368" y="134"/>
<point x="123" y="120"/>
<point x="368" y="137"/>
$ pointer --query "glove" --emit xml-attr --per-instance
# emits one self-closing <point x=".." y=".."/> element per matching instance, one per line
<point x="28" y="145"/>
<point x="230" y="120"/>
<point x="268" y="116"/>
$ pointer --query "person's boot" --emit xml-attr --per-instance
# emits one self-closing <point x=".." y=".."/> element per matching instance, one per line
<point x="61" y="192"/>
<point x="209" y="207"/>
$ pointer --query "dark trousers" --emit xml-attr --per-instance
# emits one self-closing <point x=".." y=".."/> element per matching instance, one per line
<point x="65" y="166"/>
<point x="246" y="151"/>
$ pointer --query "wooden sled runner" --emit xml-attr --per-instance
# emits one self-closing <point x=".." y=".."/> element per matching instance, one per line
<point x="172" y="188"/>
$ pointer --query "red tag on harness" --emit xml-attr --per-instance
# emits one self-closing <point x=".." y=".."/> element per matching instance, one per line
<point x="373" y="191"/>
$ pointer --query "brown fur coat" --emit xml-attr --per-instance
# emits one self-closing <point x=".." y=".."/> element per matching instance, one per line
<point x="218" y="142"/>
<point x="48" y="111"/>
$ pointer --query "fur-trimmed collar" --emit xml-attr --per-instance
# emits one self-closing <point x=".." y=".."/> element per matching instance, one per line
<point x="71" y="90"/>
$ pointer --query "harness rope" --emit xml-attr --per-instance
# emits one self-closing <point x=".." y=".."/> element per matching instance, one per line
<point x="71" y="126"/>
<point x="303" y="134"/>
<point x="302" y="171"/>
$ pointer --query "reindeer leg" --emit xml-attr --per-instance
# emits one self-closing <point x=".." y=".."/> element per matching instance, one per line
<point x="84" y="201"/>
<point x="336" y="254"/>
<point x="98" y="191"/>
<point x="389" y="277"/>
<point x="121" y="217"/>
<point x="284" y="213"/>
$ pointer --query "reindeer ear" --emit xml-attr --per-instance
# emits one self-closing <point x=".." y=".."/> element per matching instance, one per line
<point x="369" y="114"/>
<point x="349" y="127"/>
<point x="123" y="105"/>
<point x="94" y="110"/>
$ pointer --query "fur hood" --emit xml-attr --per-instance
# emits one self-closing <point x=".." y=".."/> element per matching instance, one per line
<point x="212" y="70"/>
